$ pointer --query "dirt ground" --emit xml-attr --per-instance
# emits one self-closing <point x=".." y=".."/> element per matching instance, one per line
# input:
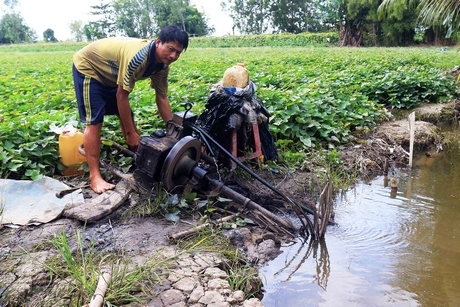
<point x="24" y="281"/>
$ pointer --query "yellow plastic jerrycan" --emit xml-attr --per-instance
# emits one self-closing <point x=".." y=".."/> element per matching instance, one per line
<point x="68" y="151"/>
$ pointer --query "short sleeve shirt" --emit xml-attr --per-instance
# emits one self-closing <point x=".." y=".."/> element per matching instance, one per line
<point x="117" y="61"/>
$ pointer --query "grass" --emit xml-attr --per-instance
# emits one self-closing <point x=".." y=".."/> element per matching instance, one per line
<point x="147" y="204"/>
<point x="82" y="266"/>
<point x="245" y="277"/>
<point x="241" y="275"/>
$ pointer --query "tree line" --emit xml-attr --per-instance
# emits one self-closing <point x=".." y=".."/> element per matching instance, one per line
<point x="358" y="22"/>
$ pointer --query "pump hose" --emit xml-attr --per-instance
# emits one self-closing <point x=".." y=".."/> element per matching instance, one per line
<point x="207" y="138"/>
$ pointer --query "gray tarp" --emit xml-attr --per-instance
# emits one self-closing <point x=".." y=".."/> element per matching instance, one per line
<point x="25" y="202"/>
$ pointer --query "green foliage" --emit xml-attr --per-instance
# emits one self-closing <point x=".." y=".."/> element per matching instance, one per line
<point x="76" y="29"/>
<point x="244" y="277"/>
<point x="434" y="14"/>
<point x="134" y="18"/>
<point x="43" y="47"/>
<point x="317" y="97"/>
<point x="13" y="30"/>
<point x="48" y="36"/>
<point x="181" y="14"/>
<point x="145" y="18"/>
<point x="270" y="40"/>
<point x="408" y="86"/>
<point x="249" y="17"/>
<point x="82" y="264"/>
<point x="299" y="16"/>
<point x="261" y="16"/>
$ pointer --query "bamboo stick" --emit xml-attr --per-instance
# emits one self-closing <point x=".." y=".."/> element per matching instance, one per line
<point x="104" y="280"/>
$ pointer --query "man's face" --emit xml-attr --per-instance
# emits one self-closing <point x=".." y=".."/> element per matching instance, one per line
<point x="167" y="53"/>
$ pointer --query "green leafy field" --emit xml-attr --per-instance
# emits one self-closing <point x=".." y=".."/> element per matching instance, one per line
<point x="317" y="96"/>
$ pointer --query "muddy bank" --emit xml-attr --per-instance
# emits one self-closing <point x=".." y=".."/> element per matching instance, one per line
<point x="197" y="278"/>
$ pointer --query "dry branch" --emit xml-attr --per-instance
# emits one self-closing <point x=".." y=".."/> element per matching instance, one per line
<point x="191" y="231"/>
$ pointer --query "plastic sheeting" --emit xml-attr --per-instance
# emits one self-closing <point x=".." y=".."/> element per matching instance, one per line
<point x="26" y="202"/>
<point x="229" y="108"/>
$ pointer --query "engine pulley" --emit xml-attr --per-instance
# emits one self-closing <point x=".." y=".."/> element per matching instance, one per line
<point x="180" y="162"/>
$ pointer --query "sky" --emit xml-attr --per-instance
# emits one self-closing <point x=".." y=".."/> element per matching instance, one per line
<point x="58" y="14"/>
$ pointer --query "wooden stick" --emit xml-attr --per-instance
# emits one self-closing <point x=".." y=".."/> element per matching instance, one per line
<point x="193" y="230"/>
<point x="104" y="280"/>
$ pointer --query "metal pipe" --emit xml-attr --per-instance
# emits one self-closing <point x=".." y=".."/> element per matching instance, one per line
<point x="239" y="163"/>
<point x="247" y="202"/>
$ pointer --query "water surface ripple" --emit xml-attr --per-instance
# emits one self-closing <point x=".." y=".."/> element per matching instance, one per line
<point x="389" y="248"/>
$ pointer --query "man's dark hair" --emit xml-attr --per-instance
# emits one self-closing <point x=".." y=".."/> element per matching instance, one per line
<point x="174" y="33"/>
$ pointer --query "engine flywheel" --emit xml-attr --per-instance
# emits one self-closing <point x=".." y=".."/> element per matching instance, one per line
<point x="180" y="162"/>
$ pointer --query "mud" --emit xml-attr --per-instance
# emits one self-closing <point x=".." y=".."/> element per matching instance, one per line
<point x="25" y="279"/>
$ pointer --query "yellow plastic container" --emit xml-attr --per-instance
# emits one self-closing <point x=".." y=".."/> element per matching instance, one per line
<point x="68" y="151"/>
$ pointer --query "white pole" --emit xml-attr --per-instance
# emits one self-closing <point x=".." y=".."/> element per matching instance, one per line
<point x="411" y="119"/>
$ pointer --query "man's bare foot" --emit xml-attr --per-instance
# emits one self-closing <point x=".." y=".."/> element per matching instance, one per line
<point x="99" y="185"/>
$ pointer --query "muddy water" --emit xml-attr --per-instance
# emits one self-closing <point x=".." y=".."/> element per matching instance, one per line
<point x="390" y="248"/>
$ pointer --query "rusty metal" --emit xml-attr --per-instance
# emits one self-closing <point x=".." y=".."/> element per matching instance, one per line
<point x="179" y="163"/>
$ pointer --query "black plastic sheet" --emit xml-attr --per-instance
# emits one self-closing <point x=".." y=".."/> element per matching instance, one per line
<point x="239" y="109"/>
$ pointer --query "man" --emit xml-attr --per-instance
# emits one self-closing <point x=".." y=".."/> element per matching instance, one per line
<point x="106" y="71"/>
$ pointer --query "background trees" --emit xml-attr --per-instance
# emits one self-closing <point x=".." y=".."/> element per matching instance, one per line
<point x="133" y="18"/>
<point x="76" y="29"/>
<point x="48" y="36"/>
<point x="358" y="22"/>
<point x="145" y="18"/>
<point x="13" y="30"/>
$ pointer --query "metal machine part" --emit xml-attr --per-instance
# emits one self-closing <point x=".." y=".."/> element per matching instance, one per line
<point x="151" y="153"/>
<point x="180" y="163"/>
<point x="154" y="149"/>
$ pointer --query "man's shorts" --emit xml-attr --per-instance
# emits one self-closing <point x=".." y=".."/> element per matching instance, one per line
<point x="93" y="98"/>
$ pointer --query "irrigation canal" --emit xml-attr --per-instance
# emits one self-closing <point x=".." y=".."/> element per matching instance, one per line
<point x="390" y="248"/>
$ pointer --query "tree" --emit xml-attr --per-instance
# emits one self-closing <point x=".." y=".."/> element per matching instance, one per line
<point x="94" y="30"/>
<point x="196" y="24"/>
<point x="292" y="16"/>
<point x="105" y="26"/>
<point x="362" y="25"/>
<point x="433" y="15"/>
<point x="181" y="14"/>
<point x="12" y="27"/>
<point x="13" y="30"/>
<point x="145" y="18"/>
<point x="76" y="29"/>
<point x="249" y="17"/>
<point x="11" y="4"/>
<point x="296" y="16"/>
<point x="48" y="36"/>
<point x="398" y="28"/>
<point x="134" y="18"/>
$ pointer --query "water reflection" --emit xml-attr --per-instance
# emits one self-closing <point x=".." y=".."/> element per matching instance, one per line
<point x="391" y="247"/>
<point x="314" y="249"/>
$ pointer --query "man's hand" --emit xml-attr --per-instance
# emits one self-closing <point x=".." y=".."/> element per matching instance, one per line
<point x="132" y="139"/>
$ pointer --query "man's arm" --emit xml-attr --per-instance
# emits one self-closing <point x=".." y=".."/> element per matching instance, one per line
<point x="163" y="107"/>
<point x="127" y="123"/>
